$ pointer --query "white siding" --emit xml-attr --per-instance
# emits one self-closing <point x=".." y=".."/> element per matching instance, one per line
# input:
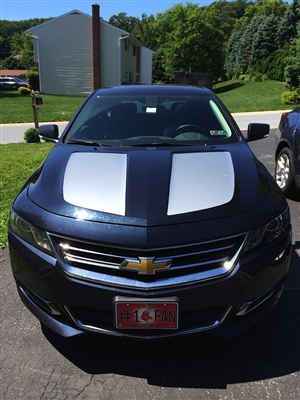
<point x="146" y="65"/>
<point x="109" y="55"/>
<point x="128" y="65"/>
<point x="117" y="64"/>
<point x="65" y="53"/>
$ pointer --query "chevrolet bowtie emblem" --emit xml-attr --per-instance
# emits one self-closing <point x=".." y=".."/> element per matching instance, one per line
<point x="146" y="266"/>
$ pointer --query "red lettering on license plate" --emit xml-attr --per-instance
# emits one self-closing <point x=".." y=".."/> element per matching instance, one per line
<point x="136" y="315"/>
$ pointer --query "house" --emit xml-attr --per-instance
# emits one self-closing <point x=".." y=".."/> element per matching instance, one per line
<point x="77" y="53"/>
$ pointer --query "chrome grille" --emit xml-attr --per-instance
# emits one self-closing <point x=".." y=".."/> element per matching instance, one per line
<point x="189" y="263"/>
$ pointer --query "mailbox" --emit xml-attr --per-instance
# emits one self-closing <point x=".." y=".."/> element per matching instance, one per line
<point x="36" y="103"/>
<point x="38" y="100"/>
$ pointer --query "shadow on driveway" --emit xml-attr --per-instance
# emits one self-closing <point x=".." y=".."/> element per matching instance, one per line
<point x="270" y="349"/>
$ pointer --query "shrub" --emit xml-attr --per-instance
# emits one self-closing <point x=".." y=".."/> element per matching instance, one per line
<point x="245" y="78"/>
<point x="32" y="77"/>
<point x="273" y="65"/>
<point x="290" y="97"/>
<point x="24" y="91"/>
<point x="257" y="77"/>
<point x="292" y="73"/>
<point x="233" y="73"/>
<point x="31" y="135"/>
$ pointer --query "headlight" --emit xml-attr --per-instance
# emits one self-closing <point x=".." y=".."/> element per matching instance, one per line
<point x="29" y="233"/>
<point x="270" y="231"/>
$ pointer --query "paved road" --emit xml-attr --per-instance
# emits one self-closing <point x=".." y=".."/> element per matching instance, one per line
<point x="263" y="363"/>
<point x="14" y="133"/>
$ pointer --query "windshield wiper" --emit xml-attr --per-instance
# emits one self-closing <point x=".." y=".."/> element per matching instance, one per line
<point x="85" y="142"/>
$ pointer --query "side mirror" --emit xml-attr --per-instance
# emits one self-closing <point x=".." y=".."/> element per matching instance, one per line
<point x="257" y="131"/>
<point x="49" y="133"/>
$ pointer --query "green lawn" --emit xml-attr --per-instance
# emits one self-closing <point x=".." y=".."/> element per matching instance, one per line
<point x="15" y="108"/>
<point x="239" y="96"/>
<point x="18" y="161"/>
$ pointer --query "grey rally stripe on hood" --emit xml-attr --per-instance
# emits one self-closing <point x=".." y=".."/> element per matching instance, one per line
<point x="96" y="181"/>
<point x="200" y="181"/>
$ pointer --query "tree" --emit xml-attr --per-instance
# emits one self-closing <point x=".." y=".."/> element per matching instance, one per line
<point x="287" y="29"/>
<point x="257" y="35"/>
<point x="147" y="29"/>
<point x="124" y="22"/>
<point x="265" y="39"/>
<point x="4" y="47"/>
<point x="262" y="8"/>
<point x="292" y="73"/>
<point x="292" y="64"/>
<point x="246" y="43"/>
<point x="240" y="46"/>
<point x="233" y="54"/>
<point x="185" y="40"/>
<point x="228" y="12"/>
<point x="13" y="41"/>
<point x="273" y="65"/>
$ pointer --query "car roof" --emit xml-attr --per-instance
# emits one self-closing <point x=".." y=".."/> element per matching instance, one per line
<point x="155" y="90"/>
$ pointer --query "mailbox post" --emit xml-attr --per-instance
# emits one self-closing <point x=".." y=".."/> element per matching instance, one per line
<point x="36" y="103"/>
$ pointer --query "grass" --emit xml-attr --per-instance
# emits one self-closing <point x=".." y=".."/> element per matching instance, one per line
<point x="15" y="108"/>
<point x="239" y="96"/>
<point x="18" y="161"/>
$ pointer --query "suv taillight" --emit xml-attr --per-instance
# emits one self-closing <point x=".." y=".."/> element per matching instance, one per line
<point x="283" y="115"/>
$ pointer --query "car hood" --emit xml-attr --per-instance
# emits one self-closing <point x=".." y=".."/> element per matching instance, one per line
<point x="149" y="186"/>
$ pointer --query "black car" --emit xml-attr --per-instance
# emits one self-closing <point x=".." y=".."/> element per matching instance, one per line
<point x="287" y="152"/>
<point x="150" y="217"/>
<point x="8" y="83"/>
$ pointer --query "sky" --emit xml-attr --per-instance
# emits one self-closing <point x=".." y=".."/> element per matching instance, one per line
<point x="16" y="10"/>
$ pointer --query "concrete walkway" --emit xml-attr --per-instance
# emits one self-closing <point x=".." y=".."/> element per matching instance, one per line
<point x="14" y="133"/>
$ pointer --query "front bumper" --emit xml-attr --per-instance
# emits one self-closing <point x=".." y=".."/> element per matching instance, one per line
<point x="225" y="306"/>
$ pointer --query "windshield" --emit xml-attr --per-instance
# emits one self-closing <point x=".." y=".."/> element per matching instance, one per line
<point x="129" y="121"/>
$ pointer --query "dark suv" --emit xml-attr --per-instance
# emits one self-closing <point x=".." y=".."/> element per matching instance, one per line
<point x="8" y="83"/>
<point x="287" y="152"/>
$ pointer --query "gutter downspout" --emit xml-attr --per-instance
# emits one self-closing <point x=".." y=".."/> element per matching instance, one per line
<point x="37" y="47"/>
<point x="138" y="62"/>
<point x="120" y="58"/>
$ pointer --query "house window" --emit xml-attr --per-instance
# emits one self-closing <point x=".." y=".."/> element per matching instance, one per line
<point x="126" y="44"/>
<point x="134" y="50"/>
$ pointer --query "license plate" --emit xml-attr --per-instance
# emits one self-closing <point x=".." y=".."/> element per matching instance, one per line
<point x="141" y="314"/>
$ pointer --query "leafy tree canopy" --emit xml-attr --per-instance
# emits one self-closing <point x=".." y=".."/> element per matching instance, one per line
<point x="267" y="27"/>
<point x="185" y="40"/>
<point x="14" y="42"/>
<point x="123" y="21"/>
<point x="262" y="8"/>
